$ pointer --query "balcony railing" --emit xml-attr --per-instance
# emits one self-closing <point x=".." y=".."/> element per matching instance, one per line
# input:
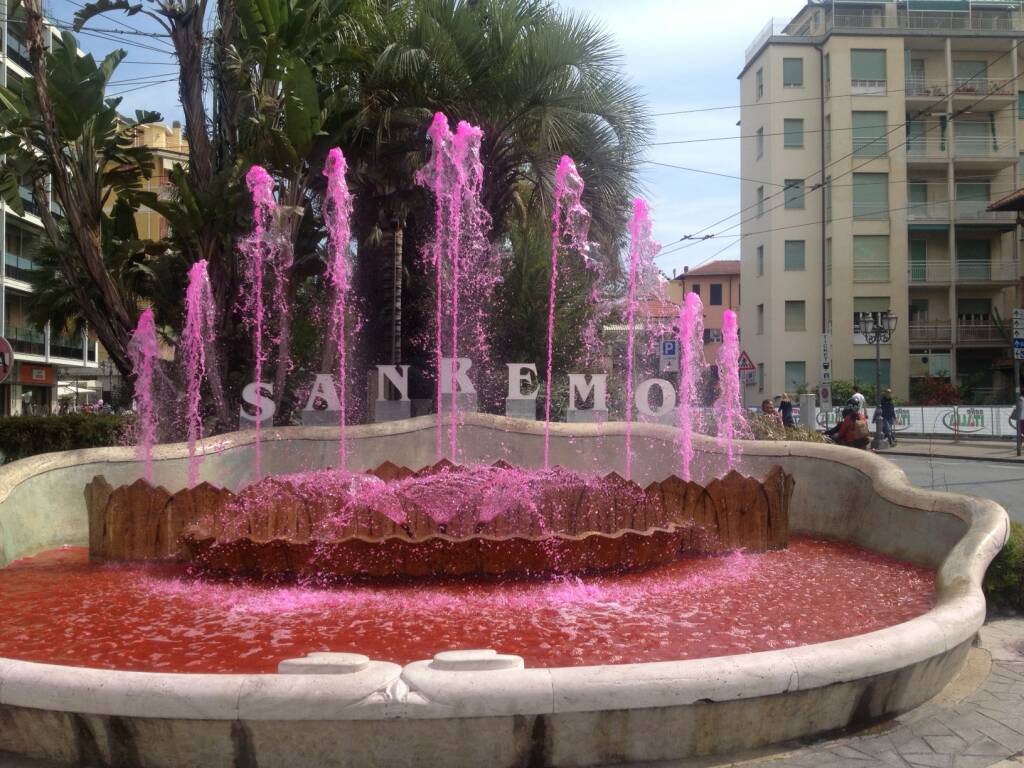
<point x="930" y="271"/>
<point x="871" y="271"/>
<point x="19" y="273"/>
<point x="928" y="212"/>
<point x="988" y="147"/>
<point x="931" y="332"/>
<point x="27" y="340"/>
<point x="926" y="21"/>
<point x="18" y="51"/>
<point x="975" y="210"/>
<point x="872" y="211"/>
<point x="979" y="333"/>
<point x="990" y="87"/>
<point x="67" y="346"/>
<point x="985" y="271"/>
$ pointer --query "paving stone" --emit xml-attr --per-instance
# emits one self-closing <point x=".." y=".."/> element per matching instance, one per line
<point x="930" y="761"/>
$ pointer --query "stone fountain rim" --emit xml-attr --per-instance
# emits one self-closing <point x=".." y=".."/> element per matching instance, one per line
<point x="384" y="690"/>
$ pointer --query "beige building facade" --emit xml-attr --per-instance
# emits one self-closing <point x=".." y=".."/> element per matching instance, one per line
<point x="875" y="136"/>
<point x="718" y="285"/>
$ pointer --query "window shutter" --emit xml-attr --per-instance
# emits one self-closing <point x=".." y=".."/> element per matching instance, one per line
<point x="867" y="65"/>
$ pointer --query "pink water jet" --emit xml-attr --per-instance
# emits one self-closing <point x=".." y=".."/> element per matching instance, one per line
<point x="197" y="332"/>
<point x="258" y="250"/>
<point x="459" y="251"/>
<point x="691" y="369"/>
<point x="570" y="222"/>
<point x="729" y="405"/>
<point x="337" y="215"/>
<point x="143" y="352"/>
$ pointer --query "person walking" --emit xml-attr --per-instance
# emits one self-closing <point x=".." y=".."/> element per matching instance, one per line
<point x="786" y="411"/>
<point x="888" y="413"/>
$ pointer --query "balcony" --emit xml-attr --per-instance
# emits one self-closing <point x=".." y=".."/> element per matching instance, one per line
<point x="17" y="272"/>
<point x="980" y="333"/>
<point x="930" y="272"/>
<point x="28" y="341"/>
<point x="71" y="347"/>
<point x="928" y="212"/>
<point x="986" y="271"/>
<point x="872" y="20"/>
<point x="17" y="51"/>
<point x="989" y="87"/>
<point x="930" y="332"/>
<point x="973" y="212"/>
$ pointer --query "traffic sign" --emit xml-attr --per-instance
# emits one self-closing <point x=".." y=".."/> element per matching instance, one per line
<point x="1018" y="314"/>
<point x="746" y="364"/>
<point x="669" y="359"/>
<point x="826" y="358"/>
<point x="1018" y="343"/>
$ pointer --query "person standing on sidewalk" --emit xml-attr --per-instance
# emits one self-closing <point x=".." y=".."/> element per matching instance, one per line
<point x="888" y="413"/>
<point x="786" y="411"/>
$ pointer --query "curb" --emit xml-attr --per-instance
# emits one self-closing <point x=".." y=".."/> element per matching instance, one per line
<point x="921" y="454"/>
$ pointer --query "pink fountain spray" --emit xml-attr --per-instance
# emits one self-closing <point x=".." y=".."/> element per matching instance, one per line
<point x="729" y="405"/>
<point x="197" y="332"/>
<point x="571" y="222"/>
<point x="691" y="369"/>
<point x="337" y="215"/>
<point x="143" y="352"/>
<point x="459" y="250"/>
<point x="258" y="250"/>
<point x="642" y="250"/>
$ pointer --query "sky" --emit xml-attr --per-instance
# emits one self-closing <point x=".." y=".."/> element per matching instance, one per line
<point x="683" y="54"/>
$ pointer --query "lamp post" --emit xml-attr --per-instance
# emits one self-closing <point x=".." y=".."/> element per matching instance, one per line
<point x="878" y="328"/>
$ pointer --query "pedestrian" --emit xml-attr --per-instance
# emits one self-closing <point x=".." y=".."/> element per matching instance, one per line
<point x="786" y="411"/>
<point x="862" y="404"/>
<point x="1018" y="414"/>
<point x="768" y="409"/>
<point x="854" y="431"/>
<point x="888" y="413"/>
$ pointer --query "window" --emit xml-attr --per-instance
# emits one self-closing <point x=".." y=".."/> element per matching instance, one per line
<point x="793" y="133"/>
<point x="796" y="376"/>
<point x="759" y="83"/>
<point x="695" y="288"/>
<point x="867" y="72"/>
<point x="715" y="295"/>
<point x="20" y="247"/>
<point x="792" y="73"/>
<point x="870" y="305"/>
<point x="760" y="143"/>
<point x="828" y="261"/>
<point x="760" y="260"/>
<point x="712" y="335"/>
<point x="827" y="137"/>
<point x="870" y="195"/>
<point x="975" y="136"/>
<point x="828" y="74"/>
<point x="864" y="371"/>
<point x="760" y="318"/>
<point x="870" y="258"/>
<point x="795" y="256"/>
<point x="794" y="194"/>
<point x="970" y="76"/>
<point x="760" y="377"/>
<point x="974" y="311"/>
<point x="870" y="135"/>
<point x="972" y="198"/>
<point x="760" y="202"/>
<point x="796" y="315"/>
<point x="828" y="198"/>
<point x="974" y="260"/>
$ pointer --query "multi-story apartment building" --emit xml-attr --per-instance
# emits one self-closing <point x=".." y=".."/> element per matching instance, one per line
<point x="718" y="285"/>
<point x="875" y="134"/>
<point x="39" y="356"/>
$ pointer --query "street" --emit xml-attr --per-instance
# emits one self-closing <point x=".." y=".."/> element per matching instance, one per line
<point x="1002" y="482"/>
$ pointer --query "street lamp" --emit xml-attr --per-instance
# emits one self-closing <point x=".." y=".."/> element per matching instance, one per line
<point x="878" y="328"/>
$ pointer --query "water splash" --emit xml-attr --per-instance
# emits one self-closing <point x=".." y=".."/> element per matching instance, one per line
<point x="460" y="252"/>
<point x="571" y="222"/>
<point x="691" y="370"/>
<point x="729" y="406"/>
<point x="258" y="250"/>
<point x="197" y="332"/>
<point x="337" y="215"/>
<point x="143" y="352"/>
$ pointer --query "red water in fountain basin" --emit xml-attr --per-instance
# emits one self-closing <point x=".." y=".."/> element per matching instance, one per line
<point x="61" y="609"/>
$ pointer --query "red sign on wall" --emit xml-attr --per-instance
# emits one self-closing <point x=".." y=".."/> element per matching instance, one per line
<point x="36" y="375"/>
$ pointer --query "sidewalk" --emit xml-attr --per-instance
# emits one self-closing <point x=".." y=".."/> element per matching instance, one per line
<point x="941" y="447"/>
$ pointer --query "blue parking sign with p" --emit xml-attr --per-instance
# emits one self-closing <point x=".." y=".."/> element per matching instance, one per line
<point x="668" y="347"/>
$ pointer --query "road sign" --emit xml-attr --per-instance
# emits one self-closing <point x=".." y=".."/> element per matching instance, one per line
<point x="746" y="364"/>
<point x="1018" y="343"/>
<point x="669" y="359"/>
<point x="1018" y="314"/>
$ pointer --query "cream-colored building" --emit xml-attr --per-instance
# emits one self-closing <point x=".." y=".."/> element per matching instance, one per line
<point x="875" y="135"/>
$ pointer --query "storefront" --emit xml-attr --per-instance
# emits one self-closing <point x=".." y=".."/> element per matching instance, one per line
<point x="31" y="390"/>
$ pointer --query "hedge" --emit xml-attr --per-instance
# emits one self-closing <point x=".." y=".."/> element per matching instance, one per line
<point x="1004" y="580"/>
<point x="22" y="436"/>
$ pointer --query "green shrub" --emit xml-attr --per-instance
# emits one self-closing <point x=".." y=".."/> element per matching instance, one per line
<point x="22" y="436"/>
<point x="763" y="427"/>
<point x="1004" y="581"/>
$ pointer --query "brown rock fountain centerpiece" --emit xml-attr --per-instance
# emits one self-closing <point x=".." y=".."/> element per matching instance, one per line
<point x="444" y="520"/>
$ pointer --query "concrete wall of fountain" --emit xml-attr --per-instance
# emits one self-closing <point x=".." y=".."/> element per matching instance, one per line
<point x="474" y="711"/>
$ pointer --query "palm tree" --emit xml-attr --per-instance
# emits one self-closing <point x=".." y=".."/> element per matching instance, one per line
<point x="539" y="81"/>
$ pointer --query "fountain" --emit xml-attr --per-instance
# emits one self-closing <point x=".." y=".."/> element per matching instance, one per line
<point x="566" y="594"/>
<point x="144" y="353"/>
